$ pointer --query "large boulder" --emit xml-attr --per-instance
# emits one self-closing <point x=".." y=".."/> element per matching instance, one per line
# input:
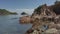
<point x="25" y="19"/>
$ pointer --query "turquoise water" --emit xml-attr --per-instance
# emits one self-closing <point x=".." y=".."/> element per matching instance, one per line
<point x="10" y="25"/>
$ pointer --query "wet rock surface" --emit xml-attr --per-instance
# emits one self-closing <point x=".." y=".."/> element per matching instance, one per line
<point x="44" y="20"/>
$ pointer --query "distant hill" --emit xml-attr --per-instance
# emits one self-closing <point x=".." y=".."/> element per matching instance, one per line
<point x="6" y="12"/>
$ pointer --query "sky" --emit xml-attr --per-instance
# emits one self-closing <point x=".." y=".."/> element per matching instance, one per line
<point x="23" y="5"/>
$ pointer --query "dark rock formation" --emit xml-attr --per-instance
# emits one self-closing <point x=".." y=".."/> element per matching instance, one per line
<point x="56" y="7"/>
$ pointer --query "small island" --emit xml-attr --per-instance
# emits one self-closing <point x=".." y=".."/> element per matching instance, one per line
<point x="6" y="12"/>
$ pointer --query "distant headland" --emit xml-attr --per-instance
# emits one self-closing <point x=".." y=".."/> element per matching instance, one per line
<point x="6" y="12"/>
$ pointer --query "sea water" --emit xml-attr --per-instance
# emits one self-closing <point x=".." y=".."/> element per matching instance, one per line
<point x="9" y="24"/>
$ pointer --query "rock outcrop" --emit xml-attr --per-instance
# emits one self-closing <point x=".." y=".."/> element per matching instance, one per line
<point x="45" y="20"/>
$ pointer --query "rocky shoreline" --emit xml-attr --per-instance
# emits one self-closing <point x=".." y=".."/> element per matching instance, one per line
<point x="44" y="20"/>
